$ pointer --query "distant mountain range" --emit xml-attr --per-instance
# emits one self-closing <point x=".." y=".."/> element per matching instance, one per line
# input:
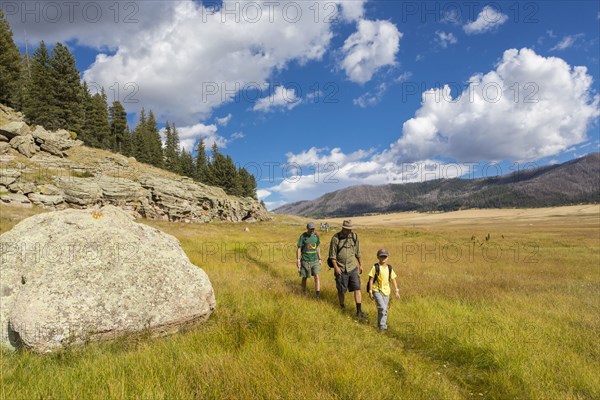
<point x="573" y="182"/>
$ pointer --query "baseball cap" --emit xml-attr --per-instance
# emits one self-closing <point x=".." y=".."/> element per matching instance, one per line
<point x="382" y="252"/>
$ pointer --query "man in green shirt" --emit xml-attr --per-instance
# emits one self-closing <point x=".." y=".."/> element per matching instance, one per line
<point x="308" y="257"/>
<point x="344" y="252"/>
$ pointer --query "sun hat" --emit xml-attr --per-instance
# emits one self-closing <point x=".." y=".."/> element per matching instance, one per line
<point x="347" y="224"/>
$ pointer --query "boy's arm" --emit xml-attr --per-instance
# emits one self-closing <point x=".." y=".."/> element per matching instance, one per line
<point x="397" y="291"/>
<point x="371" y="286"/>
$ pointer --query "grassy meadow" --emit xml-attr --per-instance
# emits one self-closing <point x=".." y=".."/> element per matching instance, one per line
<point x="516" y="316"/>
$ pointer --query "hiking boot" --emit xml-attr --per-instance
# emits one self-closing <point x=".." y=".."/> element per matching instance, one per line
<point x="342" y="307"/>
<point x="361" y="314"/>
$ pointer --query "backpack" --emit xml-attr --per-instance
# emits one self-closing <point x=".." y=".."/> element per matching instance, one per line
<point x="376" y="277"/>
<point x="305" y="238"/>
<point x="354" y="238"/>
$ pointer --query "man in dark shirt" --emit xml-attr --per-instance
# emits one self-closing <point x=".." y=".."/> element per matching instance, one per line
<point x="344" y="252"/>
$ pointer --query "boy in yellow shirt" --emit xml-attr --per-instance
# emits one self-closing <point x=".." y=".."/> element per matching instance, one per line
<point x="379" y="287"/>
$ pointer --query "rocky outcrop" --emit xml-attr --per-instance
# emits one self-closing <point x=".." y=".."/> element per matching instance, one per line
<point x="24" y="145"/>
<point x="176" y="199"/>
<point x="14" y="129"/>
<point x="28" y="142"/>
<point x="74" y="276"/>
<point x="53" y="178"/>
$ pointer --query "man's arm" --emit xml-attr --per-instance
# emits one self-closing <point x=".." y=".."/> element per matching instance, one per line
<point x="357" y="255"/>
<point x="333" y="254"/>
<point x="298" y="256"/>
<point x="333" y="247"/>
<point x="299" y="251"/>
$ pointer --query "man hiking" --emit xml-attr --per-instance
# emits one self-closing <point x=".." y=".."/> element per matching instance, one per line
<point x="344" y="254"/>
<point x="308" y="257"/>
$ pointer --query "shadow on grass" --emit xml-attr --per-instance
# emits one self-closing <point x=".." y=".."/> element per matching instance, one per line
<point x="473" y="367"/>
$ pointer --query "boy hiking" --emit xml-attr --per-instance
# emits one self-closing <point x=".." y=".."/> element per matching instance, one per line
<point x="308" y="257"/>
<point x="379" y="287"/>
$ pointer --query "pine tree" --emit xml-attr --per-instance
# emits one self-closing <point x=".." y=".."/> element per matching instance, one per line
<point x="65" y="88"/>
<point x="187" y="163"/>
<point x="214" y="167"/>
<point x="201" y="164"/>
<point x="127" y="146"/>
<point x="10" y="65"/>
<point x="19" y="98"/>
<point x="118" y="126"/>
<point x="38" y="99"/>
<point x="231" y="183"/>
<point x="96" y="130"/>
<point x="171" y="150"/>
<point x="154" y="144"/>
<point x="102" y="121"/>
<point x="140" y="148"/>
<point x="175" y="133"/>
<point x="247" y="183"/>
<point x="87" y="130"/>
<point x="222" y="173"/>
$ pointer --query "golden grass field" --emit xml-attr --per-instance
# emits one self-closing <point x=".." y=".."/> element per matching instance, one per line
<point x="514" y="316"/>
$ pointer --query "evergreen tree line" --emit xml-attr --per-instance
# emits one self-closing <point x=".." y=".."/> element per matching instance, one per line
<point x="47" y="88"/>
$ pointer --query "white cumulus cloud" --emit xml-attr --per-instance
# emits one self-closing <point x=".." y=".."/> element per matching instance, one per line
<point x="529" y="107"/>
<point x="315" y="155"/>
<point x="444" y="39"/>
<point x="488" y="19"/>
<point x="280" y="99"/>
<point x="188" y="59"/>
<point x="189" y="135"/>
<point x="319" y="172"/>
<point x="224" y="121"/>
<point x="374" y="45"/>
<point x="371" y="99"/>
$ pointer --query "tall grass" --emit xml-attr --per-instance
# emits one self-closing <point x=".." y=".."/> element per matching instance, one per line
<point x="512" y="326"/>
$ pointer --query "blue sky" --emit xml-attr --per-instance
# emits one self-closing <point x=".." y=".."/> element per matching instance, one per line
<point x="311" y="103"/>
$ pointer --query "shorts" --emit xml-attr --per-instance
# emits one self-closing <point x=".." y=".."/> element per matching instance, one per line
<point x="308" y="268"/>
<point x="348" y="281"/>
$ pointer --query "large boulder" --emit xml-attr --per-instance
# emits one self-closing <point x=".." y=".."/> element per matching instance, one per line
<point x="73" y="276"/>
<point x="15" y="128"/>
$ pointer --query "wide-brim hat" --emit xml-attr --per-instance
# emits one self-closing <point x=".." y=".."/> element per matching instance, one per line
<point x="347" y="224"/>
